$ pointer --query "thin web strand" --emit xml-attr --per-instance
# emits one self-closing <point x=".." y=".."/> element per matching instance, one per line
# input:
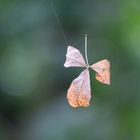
<point x="77" y="42"/>
<point x="59" y="22"/>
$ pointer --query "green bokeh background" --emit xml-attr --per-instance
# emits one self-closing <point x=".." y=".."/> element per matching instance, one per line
<point x="34" y="82"/>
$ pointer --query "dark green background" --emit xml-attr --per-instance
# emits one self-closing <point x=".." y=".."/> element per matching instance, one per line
<point x="34" y="82"/>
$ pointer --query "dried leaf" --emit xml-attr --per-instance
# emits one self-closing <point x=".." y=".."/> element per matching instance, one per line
<point x="79" y="93"/>
<point x="103" y="71"/>
<point x="74" y="58"/>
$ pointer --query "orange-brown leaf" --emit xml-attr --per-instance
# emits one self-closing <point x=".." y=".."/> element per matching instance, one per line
<point x="102" y="69"/>
<point x="79" y="93"/>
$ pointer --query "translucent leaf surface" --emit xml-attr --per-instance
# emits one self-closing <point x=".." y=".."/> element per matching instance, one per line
<point x="79" y="93"/>
<point x="74" y="58"/>
<point x="102" y="69"/>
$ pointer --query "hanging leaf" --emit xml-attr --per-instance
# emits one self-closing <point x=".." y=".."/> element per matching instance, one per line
<point x="102" y="69"/>
<point x="79" y="92"/>
<point x="74" y="58"/>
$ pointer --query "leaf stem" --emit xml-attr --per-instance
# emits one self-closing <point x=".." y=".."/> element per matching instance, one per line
<point x="86" y="50"/>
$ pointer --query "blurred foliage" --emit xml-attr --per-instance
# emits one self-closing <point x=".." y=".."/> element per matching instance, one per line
<point x="33" y="81"/>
